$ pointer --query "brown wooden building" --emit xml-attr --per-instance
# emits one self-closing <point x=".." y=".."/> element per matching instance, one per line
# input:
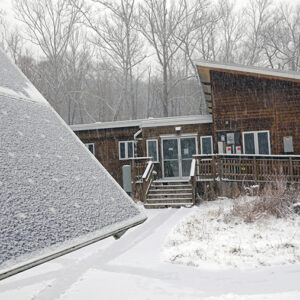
<point x="171" y="142"/>
<point x="254" y="110"/>
<point x="250" y="134"/>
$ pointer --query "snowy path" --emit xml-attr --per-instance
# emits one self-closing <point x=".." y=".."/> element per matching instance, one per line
<point x="131" y="268"/>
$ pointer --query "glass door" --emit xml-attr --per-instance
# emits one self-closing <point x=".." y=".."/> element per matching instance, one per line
<point x="188" y="149"/>
<point x="177" y="156"/>
<point x="170" y="157"/>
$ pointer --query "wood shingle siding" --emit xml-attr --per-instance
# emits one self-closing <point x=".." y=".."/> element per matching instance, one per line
<point x="250" y="103"/>
<point x="106" y="143"/>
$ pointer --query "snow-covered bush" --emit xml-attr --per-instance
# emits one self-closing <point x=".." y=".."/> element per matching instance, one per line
<point x="275" y="199"/>
<point x="211" y="237"/>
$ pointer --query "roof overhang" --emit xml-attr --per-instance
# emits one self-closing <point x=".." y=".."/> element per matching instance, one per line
<point x="142" y="123"/>
<point x="174" y="121"/>
<point x="204" y="70"/>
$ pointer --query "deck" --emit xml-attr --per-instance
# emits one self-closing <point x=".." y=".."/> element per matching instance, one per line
<point x="217" y="168"/>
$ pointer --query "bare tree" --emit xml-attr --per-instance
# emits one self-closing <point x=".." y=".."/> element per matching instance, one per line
<point x="118" y="41"/>
<point x="160" y="24"/>
<point x="258" y="14"/>
<point x="49" y="25"/>
<point x="282" y="39"/>
<point x="77" y="63"/>
<point x="230" y="30"/>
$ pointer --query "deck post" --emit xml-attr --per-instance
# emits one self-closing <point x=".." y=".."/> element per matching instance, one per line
<point x="213" y="162"/>
<point x="291" y="170"/>
<point x="219" y="167"/>
<point x="255" y="170"/>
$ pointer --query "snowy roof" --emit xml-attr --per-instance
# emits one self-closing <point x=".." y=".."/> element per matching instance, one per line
<point x="150" y="122"/>
<point x="250" y="70"/>
<point x="13" y="83"/>
<point x="55" y="196"/>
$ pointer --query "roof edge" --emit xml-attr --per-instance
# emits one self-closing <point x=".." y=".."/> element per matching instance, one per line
<point x="250" y="70"/>
<point x="142" y="123"/>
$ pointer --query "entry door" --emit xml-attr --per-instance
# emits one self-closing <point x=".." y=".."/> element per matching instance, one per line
<point x="170" y="157"/>
<point x="177" y="156"/>
<point x="188" y="149"/>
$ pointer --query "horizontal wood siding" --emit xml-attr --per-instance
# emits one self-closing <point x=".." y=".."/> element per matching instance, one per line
<point x="250" y="103"/>
<point x="107" y="147"/>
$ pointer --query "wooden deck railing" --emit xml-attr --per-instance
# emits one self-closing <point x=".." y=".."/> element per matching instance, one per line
<point x="141" y="175"/>
<point x="244" y="167"/>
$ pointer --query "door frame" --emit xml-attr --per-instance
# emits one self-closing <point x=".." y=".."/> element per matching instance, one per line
<point x="178" y="138"/>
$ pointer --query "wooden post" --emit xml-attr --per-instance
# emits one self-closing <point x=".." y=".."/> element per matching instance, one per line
<point x="213" y="162"/>
<point x="220" y="167"/>
<point x="291" y="169"/>
<point x="255" y="169"/>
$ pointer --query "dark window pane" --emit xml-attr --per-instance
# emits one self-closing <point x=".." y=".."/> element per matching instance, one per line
<point x="206" y="145"/>
<point x="152" y="150"/>
<point x="188" y="147"/>
<point x="171" y="168"/>
<point x="170" y="149"/>
<point x="91" y="148"/>
<point x="122" y="149"/>
<point x="263" y="142"/>
<point x="249" y="143"/>
<point x="186" y="167"/>
<point x="130" y="149"/>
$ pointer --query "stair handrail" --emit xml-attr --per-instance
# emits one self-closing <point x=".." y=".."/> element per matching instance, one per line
<point x="147" y="179"/>
<point x="147" y="172"/>
<point x="193" y="180"/>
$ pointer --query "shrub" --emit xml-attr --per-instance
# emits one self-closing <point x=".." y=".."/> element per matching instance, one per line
<point x="275" y="199"/>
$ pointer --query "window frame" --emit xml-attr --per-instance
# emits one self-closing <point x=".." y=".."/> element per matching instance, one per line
<point x="126" y="150"/>
<point x="211" y="143"/>
<point x="256" y="144"/>
<point x="157" y="154"/>
<point x="89" y="144"/>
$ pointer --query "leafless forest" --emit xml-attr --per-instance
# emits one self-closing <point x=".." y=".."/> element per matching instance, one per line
<point x="126" y="59"/>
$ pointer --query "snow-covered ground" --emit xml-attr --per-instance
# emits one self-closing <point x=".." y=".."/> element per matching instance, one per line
<point x="134" y="268"/>
<point x="210" y="237"/>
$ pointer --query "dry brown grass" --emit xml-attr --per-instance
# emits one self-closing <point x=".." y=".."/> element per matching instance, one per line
<point x="275" y="199"/>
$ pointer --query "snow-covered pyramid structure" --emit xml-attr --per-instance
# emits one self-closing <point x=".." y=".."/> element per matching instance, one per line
<point x="54" y="195"/>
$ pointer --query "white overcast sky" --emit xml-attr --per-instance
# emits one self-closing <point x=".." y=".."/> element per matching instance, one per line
<point x="7" y="4"/>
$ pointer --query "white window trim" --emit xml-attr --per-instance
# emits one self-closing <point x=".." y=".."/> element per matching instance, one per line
<point x="256" y="140"/>
<point x="153" y="140"/>
<point x="88" y="144"/>
<point x="126" y="150"/>
<point x="211" y="143"/>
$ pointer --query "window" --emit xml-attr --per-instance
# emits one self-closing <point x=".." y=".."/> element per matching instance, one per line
<point x="126" y="149"/>
<point x="91" y="147"/>
<point x="256" y="142"/>
<point x="206" y="145"/>
<point x="152" y="150"/>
